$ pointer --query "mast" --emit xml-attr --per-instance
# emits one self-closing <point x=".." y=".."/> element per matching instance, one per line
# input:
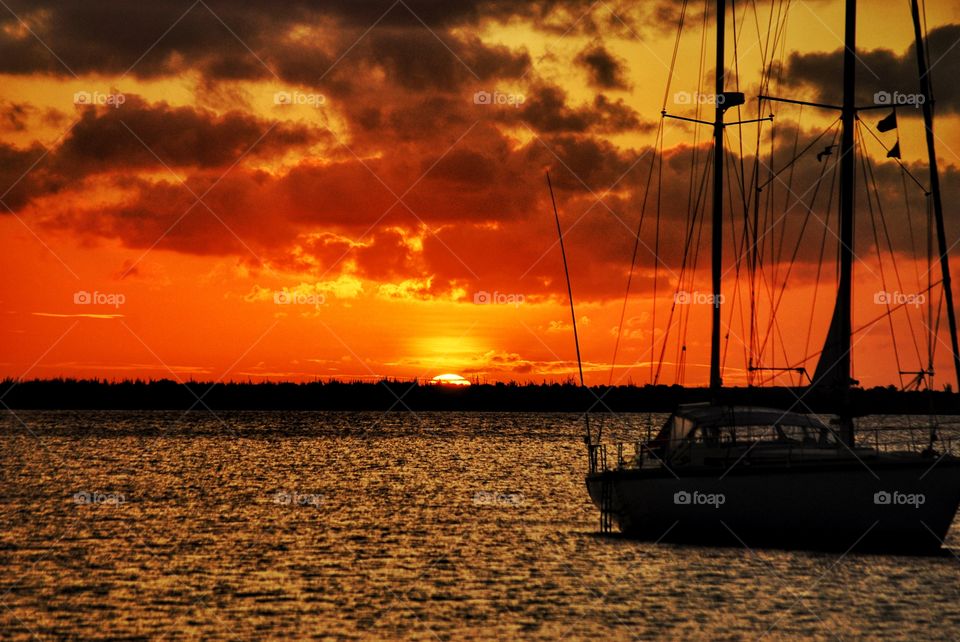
<point x="847" y="177"/>
<point x="927" y="106"/>
<point x="587" y="437"/>
<point x="717" y="222"/>
<point x="566" y="272"/>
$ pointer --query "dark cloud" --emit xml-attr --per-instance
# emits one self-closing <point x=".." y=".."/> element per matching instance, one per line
<point x="216" y="38"/>
<point x="384" y="256"/>
<point x="883" y="70"/>
<point x="605" y="70"/>
<point x="463" y="167"/>
<point x="546" y="110"/>
<point x="481" y="210"/>
<point x="420" y="61"/>
<point x="584" y="163"/>
<point x="138" y="135"/>
<point x="19" y="180"/>
<point x="477" y="203"/>
<point x="422" y="118"/>
<point x="14" y="116"/>
<point x="482" y="182"/>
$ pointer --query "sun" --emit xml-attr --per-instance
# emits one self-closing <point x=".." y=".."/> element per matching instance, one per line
<point x="450" y="380"/>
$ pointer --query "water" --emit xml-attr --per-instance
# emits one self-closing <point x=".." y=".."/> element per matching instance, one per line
<point x="365" y="526"/>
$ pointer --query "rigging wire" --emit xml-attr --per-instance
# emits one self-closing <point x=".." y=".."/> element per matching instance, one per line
<point x="693" y="205"/>
<point x="778" y="299"/>
<point x="690" y="248"/>
<point x="868" y="169"/>
<point x="896" y="160"/>
<point x="573" y="315"/>
<point x="633" y="259"/>
<point x="856" y="330"/>
<point x="767" y="238"/>
<point x="656" y="254"/>
<point x="673" y="57"/>
<point x="883" y="276"/>
<point x="823" y="247"/>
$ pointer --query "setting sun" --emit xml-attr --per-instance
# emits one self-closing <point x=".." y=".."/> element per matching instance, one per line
<point x="450" y="380"/>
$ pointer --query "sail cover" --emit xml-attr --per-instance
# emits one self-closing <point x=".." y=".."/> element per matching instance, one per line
<point x="831" y="373"/>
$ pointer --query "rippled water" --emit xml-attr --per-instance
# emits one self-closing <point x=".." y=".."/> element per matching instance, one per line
<point x="365" y="526"/>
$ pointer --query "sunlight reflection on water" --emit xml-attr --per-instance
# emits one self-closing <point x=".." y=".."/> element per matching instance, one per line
<point x="365" y="526"/>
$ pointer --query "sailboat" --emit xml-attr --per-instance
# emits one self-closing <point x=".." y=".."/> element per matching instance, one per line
<point x="762" y="477"/>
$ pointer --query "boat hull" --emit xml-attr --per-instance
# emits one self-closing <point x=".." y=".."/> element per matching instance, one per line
<point x="905" y="506"/>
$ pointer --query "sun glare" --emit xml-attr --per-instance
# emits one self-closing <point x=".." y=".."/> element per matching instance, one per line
<point x="450" y="380"/>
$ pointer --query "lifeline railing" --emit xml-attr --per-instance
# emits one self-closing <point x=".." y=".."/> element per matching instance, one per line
<point x="882" y="439"/>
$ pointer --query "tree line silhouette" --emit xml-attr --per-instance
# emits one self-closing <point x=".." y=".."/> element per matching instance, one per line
<point x="400" y="395"/>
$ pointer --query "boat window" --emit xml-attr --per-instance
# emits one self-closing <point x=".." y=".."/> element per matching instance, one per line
<point x="796" y="434"/>
<point x="756" y="433"/>
<point x="811" y="435"/>
<point x="706" y="434"/>
<point x="779" y="433"/>
<point x="825" y="437"/>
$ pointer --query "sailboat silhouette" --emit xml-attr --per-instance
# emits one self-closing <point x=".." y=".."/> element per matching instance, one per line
<point x="754" y="476"/>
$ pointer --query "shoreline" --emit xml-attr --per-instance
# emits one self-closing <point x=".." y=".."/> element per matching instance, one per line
<point x="414" y="396"/>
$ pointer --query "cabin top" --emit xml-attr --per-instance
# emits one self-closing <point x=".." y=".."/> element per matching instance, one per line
<point x="741" y="424"/>
<point x="703" y="414"/>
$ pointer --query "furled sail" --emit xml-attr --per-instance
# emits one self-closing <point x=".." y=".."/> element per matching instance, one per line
<point x="831" y="373"/>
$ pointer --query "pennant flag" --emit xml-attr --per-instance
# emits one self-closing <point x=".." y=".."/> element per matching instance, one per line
<point x="827" y="151"/>
<point x="888" y="123"/>
<point x="894" y="151"/>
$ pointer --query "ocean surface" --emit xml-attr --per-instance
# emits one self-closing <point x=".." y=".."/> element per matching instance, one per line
<point x="433" y="526"/>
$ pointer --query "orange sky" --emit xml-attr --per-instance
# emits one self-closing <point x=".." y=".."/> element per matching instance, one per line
<point x="320" y="191"/>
